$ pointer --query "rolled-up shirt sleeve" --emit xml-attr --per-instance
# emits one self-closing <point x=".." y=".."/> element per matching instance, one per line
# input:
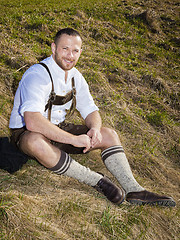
<point x="84" y="101"/>
<point x="33" y="94"/>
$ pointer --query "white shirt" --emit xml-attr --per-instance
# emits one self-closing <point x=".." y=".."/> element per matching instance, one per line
<point x="34" y="89"/>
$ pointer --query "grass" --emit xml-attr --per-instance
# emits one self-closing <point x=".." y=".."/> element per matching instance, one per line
<point x="132" y="68"/>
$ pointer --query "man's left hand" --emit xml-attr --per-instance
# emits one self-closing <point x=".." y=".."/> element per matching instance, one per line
<point x="95" y="136"/>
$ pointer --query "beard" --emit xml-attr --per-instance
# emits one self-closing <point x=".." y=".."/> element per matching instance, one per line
<point x="64" y="63"/>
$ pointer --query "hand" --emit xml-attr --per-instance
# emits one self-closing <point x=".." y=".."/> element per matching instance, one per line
<point x="95" y="136"/>
<point x="83" y="141"/>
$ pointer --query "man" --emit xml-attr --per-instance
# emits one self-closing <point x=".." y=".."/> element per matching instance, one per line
<point x="44" y="94"/>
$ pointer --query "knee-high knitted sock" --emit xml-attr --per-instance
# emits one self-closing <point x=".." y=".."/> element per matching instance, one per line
<point x="69" y="167"/>
<point x="116" y="162"/>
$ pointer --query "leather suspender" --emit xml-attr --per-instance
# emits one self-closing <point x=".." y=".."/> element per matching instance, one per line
<point x="60" y="100"/>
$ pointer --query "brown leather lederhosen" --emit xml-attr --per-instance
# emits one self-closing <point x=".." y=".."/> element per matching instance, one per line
<point x="69" y="127"/>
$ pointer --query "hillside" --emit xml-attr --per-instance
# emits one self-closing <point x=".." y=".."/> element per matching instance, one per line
<point x="130" y="60"/>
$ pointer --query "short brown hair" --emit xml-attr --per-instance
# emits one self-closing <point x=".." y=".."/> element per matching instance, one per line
<point x="68" y="31"/>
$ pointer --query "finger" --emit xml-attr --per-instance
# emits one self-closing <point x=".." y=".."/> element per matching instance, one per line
<point x="90" y="134"/>
<point x="86" y="149"/>
<point x="93" y="142"/>
<point x="94" y="139"/>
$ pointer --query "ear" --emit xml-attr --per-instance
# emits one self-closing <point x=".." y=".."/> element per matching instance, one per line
<point x="53" y="47"/>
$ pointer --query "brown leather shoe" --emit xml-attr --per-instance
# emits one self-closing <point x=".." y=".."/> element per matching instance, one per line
<point x="113" y="193"/>
<point x="145" y="197"/>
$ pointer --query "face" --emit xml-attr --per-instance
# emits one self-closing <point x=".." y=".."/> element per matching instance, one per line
<point x="67" y="51"/>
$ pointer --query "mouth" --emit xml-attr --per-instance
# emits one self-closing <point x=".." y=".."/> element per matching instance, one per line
<point x="68" y="61"/>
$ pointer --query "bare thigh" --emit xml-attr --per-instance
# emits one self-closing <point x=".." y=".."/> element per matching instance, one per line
<point x="39" y="147"/>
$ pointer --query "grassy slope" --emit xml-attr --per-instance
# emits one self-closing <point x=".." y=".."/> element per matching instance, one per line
<point x="130" y="61"/>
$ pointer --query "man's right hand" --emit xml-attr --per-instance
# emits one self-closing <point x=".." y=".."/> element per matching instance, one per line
<point x="82" y="141"/>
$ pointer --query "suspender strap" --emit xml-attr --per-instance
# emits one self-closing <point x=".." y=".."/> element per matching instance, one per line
<point x="73" y="105"/>
<point x="60" y="100"/>
<point x="52" y="95"/>
<point x="46" y="67"/>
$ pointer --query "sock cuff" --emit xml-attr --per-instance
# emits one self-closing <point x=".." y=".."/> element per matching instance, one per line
<point x="110" y="151"/>
<point x="63" y="164"/>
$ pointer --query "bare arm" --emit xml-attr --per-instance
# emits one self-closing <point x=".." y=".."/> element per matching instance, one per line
<point x="35" y="122"/>
<point x="93" y="120"/>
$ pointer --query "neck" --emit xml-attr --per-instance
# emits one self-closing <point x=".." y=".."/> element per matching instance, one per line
<point x="66" y="75"/>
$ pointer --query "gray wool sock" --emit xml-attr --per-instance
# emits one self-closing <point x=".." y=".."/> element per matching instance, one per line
<point x="69" y="167"/>
<point x="116" y="162"/>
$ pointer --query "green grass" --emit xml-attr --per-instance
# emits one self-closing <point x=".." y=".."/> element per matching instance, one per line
<point x="132" y="72"/>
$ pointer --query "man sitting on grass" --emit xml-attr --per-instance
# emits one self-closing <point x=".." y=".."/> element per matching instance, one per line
<point x="45" y="93"/>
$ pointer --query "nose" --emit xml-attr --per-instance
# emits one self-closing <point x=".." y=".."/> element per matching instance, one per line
<point x="70" y="53"/>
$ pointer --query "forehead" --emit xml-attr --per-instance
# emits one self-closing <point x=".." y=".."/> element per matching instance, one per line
<point x="69" y="40"/>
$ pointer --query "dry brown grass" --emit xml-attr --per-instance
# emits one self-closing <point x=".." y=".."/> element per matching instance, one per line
<point x="41" y="205"/>
<point x="130" y="62"/>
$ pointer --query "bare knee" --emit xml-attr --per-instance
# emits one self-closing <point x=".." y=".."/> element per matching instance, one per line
<point x="110" y="137"/>
<point x="32" y="143"/>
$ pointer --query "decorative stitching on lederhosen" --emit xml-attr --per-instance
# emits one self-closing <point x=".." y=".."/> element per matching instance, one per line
<point x="60" y="100"/>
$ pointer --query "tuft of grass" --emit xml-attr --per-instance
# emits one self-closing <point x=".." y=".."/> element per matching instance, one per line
<point x="156" y="118"/>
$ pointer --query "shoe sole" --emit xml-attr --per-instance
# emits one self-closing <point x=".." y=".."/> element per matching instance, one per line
<point x="165" y="203"/>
